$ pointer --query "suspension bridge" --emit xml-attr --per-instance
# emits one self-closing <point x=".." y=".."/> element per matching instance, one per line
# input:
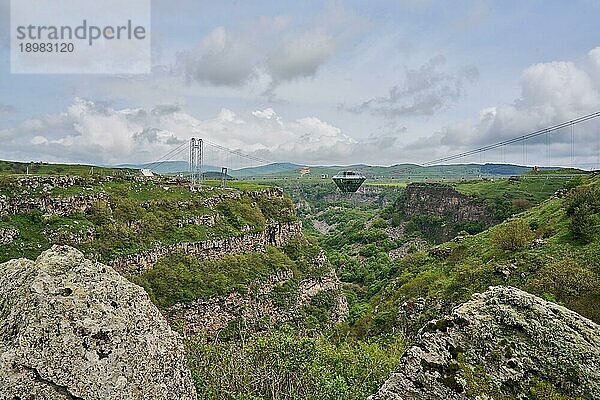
<point x="558" y="145"/>
<point x="561" y="136"/>
<point x="207" y="160"/>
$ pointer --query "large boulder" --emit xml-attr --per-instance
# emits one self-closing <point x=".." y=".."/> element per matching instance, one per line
<point x="71" y="329"/>
<point x="504" y="343"/>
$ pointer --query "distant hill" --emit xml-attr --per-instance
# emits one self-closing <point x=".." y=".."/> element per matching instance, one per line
<point x="269" y="169"/>
<point x="216" y="175"/>
<point x="169" y="167"/>
<point x="398" y="171"/>
<point x="42" y="168"/>
<point x="286" y="169"/>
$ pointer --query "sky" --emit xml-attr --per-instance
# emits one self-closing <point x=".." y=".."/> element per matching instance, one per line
<point x="325" y="82"/>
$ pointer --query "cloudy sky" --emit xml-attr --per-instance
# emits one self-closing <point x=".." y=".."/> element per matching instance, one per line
<point x="325" y="82"/>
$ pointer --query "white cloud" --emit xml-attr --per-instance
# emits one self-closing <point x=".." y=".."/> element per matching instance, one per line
<point x="426" y="90"/>
<point x="594" y="57"/>
<point x="551" y="93"/>
<point x="90" y="132"/>
<point x="94" y="133"/>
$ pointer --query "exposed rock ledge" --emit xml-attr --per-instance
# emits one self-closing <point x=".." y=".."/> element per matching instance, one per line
<point x="503" y="338"/>
<point x="210" y="316"/>
<point x="74" y="329"/>
<point x="273" y="235"/>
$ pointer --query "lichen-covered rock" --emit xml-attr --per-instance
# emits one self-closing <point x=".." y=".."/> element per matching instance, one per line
<point x="8" y="235"/>
<point x="500" y="344"/>
<point x="74" y="329"/>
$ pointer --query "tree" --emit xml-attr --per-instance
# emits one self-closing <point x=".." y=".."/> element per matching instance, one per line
<point x="512" y="236"/>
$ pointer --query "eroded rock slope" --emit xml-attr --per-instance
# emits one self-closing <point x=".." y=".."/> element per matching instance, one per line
<point x="504" y="343"/>
<point x="74" y="329"/>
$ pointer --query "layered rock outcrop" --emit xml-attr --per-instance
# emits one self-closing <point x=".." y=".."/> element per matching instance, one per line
<point x="74" y="329"/>
<point x="274" y="234"/>
<point x="257" y="304"/>
<point x="50" y="205"/>
<point x="500" y="344"/>
<point x="444" y="201"/>
<point x="8" y="235"/>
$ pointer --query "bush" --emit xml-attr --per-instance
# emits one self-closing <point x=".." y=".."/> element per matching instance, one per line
<point x="520" y="205"/>
<point x="283" y="365"/>
<point x="514" y="235"/>
<point x="573" y="285"/>
<point x="181" y="278"/>
<point x="582" y="205"/>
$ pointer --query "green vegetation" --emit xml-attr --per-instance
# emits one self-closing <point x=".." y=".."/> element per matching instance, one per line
<point x="583" y="206"/>
<point x="513" y="236"/>
<point x="506" y="197"/>
<point x="282" y="365"/>
<point x="182" y="278"/>
<point x="393" y="281"/>
<point x="38" y="168"/>
<point x="559" y="267"/>
<point x="133" y="216"/>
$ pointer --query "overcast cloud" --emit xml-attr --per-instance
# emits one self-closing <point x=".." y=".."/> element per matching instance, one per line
<point x="551" y="93"/>
<point x="426" y="90"/>
<point x="86" y="131"/>
<point x="89" y="132"/>
<point x="269" y="50"/>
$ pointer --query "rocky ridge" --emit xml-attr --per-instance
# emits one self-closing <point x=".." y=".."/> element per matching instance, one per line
<point x="210" y="316"/>
<point x="274" y="234"/>
<point x="503" y="343"/>
<point x="443" y="200"/>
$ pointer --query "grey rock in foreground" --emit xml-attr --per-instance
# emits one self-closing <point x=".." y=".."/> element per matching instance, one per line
<point x="74" y="329"/>
<point x="500" y="343"/>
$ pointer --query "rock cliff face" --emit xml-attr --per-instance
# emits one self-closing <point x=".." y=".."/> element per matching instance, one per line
<point x="50" y="205"/>
<point x="210" y="316"/>
<point x="438" y="212"/>
<point x="443" y="200"/>
<point x="504" y="343"/>
<point x="274" y="235"/>
<point x="74" y="329"/>
<point x="364" y="195"/>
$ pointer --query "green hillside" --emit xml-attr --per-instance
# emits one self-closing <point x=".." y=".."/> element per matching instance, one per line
<point x="550" y="247"/>
<point x="551" y="250"/>
<point x="38" y="168"/>
<point x="398" y="171"/>
<point x="133" y="216"/>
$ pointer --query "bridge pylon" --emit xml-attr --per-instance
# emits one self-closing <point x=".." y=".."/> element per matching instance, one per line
<point x="195" y="162"/>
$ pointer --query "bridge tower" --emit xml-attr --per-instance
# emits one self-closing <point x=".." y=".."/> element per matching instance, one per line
<point x="195" y="162"/>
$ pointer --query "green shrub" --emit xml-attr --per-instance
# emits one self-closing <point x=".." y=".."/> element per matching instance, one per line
<point x="283" y="365"/>
<point x="181" y="278"/>
<point x="545" y="391"/>
<point x="514" y="235"/>
<point x="571" y="284"/>
<point x="583" y="205"/>
<point x="520" y="205"/>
